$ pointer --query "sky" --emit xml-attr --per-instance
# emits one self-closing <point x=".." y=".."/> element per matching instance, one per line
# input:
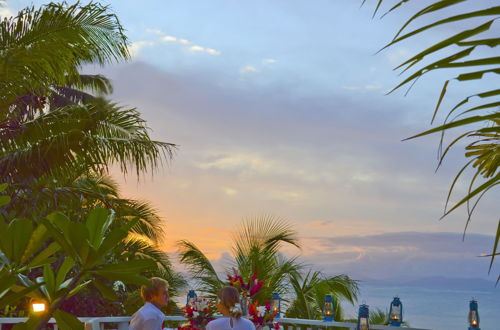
<point x="279" y="108"/>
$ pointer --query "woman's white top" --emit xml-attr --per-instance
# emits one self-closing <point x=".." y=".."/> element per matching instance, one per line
<point x="224" y="323"/>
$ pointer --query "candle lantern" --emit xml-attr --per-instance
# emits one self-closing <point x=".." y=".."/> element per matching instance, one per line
<point x="276" y="304"/>
<point x="191" y="297"/>
<point x="328" y="308"/>
<point x="396" y="313"/>
<point x="473" y="315"/>
<point x="38" y="306"/>
<point x="363" y="315"/>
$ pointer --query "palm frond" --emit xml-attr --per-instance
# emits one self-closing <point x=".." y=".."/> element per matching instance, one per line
<point x="200" y="267"/>
<point x="468" y="49"/>
<point x="60" y="140"/>
<point x="43" y="47"/>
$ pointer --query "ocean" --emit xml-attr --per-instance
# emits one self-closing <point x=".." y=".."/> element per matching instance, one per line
<point x="437" y="309"/>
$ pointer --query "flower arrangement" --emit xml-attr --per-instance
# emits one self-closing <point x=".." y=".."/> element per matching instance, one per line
<point x="198" y="313"/>
<point x="249" y="288"/>
<point x="262" y="316"/>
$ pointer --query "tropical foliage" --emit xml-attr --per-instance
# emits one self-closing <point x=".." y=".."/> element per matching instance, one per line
<point x="59" y="137"/>
<point x="310" y="290"/>
<point x="477" y="114"/>
<point x="257" y="253"/>
<point x="87" y="259"/>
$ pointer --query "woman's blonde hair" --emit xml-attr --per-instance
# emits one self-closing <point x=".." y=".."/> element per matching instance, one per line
<point x="229" y="297"/>
<point x="148" y="291"/>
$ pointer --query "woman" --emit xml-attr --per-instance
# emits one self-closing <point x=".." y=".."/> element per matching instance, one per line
<point x="228" y="305"/>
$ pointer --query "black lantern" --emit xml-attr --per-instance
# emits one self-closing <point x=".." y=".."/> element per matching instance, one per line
<point x="473" y="315"/>
<point x="328" y="308"/>
<point x="396" y="313"/>
<point x="276" y="304"/>
<point x="363" y="315"/>
<point x="191" y="297"/>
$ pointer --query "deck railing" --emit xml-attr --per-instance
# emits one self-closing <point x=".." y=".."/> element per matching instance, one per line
<point x="121" y="323"/>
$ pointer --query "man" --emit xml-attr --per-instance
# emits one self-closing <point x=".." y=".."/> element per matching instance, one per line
<point x="149" y="316"/>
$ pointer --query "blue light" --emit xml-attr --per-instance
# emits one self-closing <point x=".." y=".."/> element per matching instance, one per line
<point x="328" y="309"/>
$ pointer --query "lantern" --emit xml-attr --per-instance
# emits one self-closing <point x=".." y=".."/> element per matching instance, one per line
<point x="191" y="297"/>
<point x="363" y="316"/>
<point x="328" y="308"/>
<point x="396" y="313"/>
<point x="473" y="315"/>
<point x="38" y="306"/>
<point x="276" y="304"/>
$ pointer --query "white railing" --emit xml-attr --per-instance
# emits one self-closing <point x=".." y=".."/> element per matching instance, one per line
<point x="121" y="322"/>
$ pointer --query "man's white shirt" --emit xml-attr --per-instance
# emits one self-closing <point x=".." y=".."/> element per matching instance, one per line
<point x="148" y="317"/>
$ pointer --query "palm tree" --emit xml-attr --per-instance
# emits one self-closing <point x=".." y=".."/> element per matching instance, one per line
<point x="256" y="249"/>
<point x="59" y="136"/>
<point x="465" y="50"/>
<point x="309" y="293"/>
<point x="45" y="47"/>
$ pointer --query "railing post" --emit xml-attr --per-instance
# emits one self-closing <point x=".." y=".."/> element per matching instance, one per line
<point x="93" y="324"/>
<point x="123" y="326"/>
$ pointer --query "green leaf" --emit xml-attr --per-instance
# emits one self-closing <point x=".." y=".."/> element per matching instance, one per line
<point x="476" y="75"/>
<point x="60" y="239"/>
<point x="447" y="42"/>
<point x="43" y="256"/>
<point x="50" y="281"/>
<point x="38" y="237"/>
<point x="6" y="241"/>
<point x="98" y="222"/>
<point x="484" y="12"/>
<point x="130" y="267"/>
<point x="78" y="288"/>
<point x="462" y="122"/>
<point x="78" y="235"/>
<point x="13" y="297"/>
<point x="3" y="186"/>
<point x="473" y="193"/>
<point x="66" y="321"/>
<point x="4" y="200"/>
<point x="20" y="229"/>
<point x="495" y="246"/>
<point x="105" y="290"/>
<point x="115" y="236"/>
<point x="435" y="6"/>
<point x="66" y="266"/>
<point x="443" y="91"/>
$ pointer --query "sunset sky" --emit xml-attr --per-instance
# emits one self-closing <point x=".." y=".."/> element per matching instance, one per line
<point x="278" y="108"/>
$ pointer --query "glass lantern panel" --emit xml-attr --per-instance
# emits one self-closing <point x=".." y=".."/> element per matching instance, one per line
<point x="395" y="312"/>
<point x="275" y="305"/>
<point x="363" y="324"/>
<point x="473" y="318"/>
<point x="328" y="308"/>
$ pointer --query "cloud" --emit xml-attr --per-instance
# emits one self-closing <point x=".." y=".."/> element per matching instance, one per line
<point x="137" y="46"/>
<point x="197" y="49"/>
<point x="201" y="49"/>
<point x="249" y="69"/>
<point x="269" y="61"/>
<point x="169" y="39"/>
<point x="403" y="255"/>
<point x="5" y="11"/>
<point x="182" y="41"/>
<point x="212" y="51"/>
<point x="154" y="31"/>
